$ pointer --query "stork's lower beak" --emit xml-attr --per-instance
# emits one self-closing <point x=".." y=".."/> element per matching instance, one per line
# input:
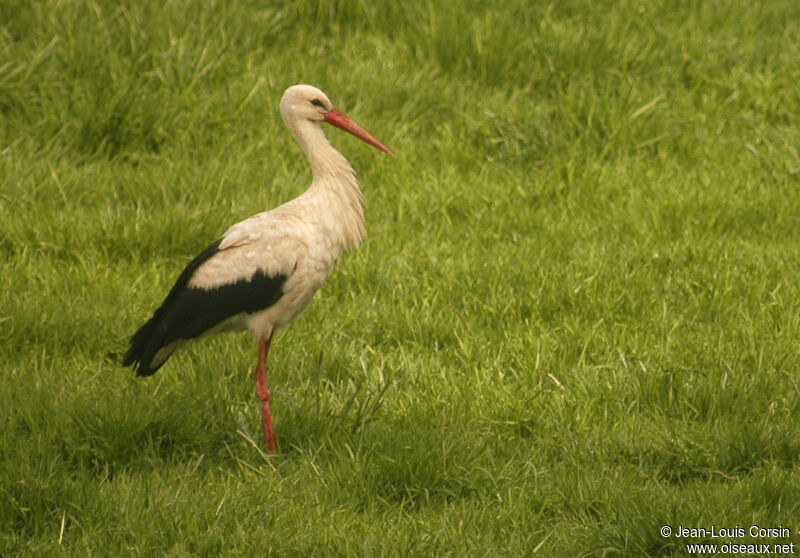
<point x="337" y="118"/>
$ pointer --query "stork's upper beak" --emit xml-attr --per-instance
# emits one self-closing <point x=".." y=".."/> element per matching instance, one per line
<point x="337" y="118"/>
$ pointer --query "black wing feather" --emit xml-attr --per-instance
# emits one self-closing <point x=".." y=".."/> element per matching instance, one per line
<point x="188" y="312"/>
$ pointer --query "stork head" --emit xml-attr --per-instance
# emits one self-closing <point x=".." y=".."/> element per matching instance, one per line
<point x="306" y="102"/>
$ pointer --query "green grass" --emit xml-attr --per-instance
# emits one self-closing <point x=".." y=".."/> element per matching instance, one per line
<point x="575" y="318"/>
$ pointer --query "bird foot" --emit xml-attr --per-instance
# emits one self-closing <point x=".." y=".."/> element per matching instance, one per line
<point x="266" y="418"/>
<point x="266" y="422"/>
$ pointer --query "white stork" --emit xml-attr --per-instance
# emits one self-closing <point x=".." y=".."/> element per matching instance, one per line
<point x="265" y="269"/>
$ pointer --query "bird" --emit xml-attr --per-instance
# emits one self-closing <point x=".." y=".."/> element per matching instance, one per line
<point x="263" y="271"/>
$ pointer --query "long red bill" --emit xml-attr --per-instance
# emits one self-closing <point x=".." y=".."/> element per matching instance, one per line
<point x="337" y="118"/>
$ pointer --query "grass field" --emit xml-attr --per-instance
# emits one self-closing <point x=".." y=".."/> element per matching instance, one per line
<point x="575" y="320"/>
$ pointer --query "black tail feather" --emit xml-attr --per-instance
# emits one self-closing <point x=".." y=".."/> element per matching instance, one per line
<point x="143" y="348"/>
<point x="189" y="312"/>
<point x="149" y="339"/>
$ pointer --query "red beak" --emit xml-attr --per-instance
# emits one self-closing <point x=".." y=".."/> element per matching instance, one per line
<point x="337" y="118"/>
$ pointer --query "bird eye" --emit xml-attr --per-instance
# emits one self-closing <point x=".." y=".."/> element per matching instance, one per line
<point x="317" y="103"/>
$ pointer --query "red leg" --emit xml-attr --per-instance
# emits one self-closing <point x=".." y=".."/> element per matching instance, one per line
<point x="263" y="393"/>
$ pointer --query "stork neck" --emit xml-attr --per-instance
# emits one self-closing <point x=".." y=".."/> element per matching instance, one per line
<point x="325" y="161"/>
<point x="335" y="180"/>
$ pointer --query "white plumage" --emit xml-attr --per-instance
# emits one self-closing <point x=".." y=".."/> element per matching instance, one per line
<point x="264" y="270"/>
